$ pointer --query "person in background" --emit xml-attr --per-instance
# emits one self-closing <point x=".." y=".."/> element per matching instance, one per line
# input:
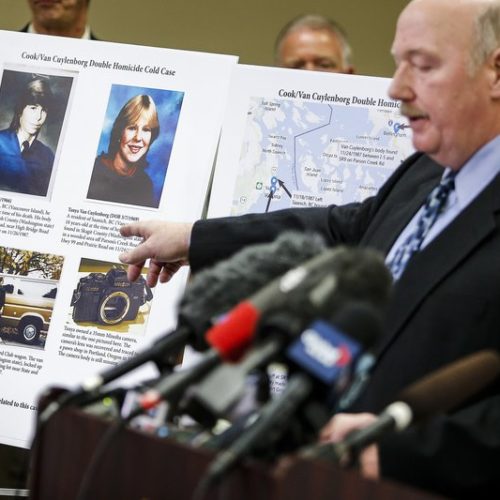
<point x="60" y="17"/>
<point x="437" y="221"/>
<point x="313" y="42"/>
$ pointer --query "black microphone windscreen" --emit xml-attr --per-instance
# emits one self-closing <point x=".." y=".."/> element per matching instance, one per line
<point x="363" y="275"/>
<point x="215" y="290"/>
<point x="447" y="388"/>
<point x="361" y="321"/>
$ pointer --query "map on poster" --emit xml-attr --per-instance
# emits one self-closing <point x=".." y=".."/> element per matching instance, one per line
<point x="301" y="154"/>
<point x="305" y="139"/>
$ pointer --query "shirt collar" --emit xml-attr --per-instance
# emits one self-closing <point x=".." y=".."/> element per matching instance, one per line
<point x="29" y="141"/>
<point x="85" y="36"/>
<point x="478" y="172"/>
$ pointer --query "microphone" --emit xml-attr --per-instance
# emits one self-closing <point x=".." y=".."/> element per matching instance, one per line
<point x="172" y="385"/>
<point x="213" y="291"/>
<point x="330" y="290"/>
<point x="263" y="427"/>
<point x="439" y="392"/>
<point x="210" y="293"/>
<point x="357" y="273"/>
<point x="320" y="359"/>
<point x="358" y="278"/>
<point x="217" y="394"/>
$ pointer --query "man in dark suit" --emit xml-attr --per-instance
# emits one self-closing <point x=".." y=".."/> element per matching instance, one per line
<point x="60" y="18"/>
<point x="446" y="296"/>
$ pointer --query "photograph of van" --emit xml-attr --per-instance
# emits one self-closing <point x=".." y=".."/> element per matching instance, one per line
<point x="28" y="290"/>
<point x="27" y="309"/>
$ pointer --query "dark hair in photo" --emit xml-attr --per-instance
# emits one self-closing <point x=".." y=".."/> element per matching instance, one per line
<point x="36" y="92"/>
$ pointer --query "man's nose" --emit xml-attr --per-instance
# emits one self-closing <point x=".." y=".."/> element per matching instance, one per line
<point x="401" y="88"/>
<point x="310" y="66"/>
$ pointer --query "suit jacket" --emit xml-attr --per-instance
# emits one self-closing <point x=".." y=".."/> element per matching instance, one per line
<point x="29" y="172"/>
<point x="444" y="306"/>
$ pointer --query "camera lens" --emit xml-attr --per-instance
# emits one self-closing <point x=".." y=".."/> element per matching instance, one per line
<point x="114" y="307"/>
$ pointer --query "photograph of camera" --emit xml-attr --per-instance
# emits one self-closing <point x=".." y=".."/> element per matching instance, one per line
<point x="109" y="298"/>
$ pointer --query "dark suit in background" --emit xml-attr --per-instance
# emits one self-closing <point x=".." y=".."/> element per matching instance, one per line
<point x="25" y="30"/>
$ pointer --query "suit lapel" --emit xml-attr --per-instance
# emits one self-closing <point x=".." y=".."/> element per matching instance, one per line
<point x="432" y="265"/>
<point x="401" y="203"/>
<point x="398" y="216"/>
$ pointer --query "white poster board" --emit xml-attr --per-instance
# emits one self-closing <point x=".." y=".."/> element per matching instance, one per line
<point x="68" y="312"/>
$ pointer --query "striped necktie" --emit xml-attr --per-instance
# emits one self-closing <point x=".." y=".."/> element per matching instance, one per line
<point x="433" y="207"/>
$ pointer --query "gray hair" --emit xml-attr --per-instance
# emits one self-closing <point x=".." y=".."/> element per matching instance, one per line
<point x="486" y="34"/>
<point x="316" y="22"/>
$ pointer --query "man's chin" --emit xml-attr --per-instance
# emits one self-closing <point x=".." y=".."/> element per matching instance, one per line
<point x="432" y="152"/>
<point x="50" y="18"/>
<point x="423" y="145"/>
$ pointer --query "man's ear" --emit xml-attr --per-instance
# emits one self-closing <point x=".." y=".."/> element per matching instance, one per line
<point x="495" y="65"/>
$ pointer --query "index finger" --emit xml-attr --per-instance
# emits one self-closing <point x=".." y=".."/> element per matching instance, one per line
<point x="134" y="270"/>
<point x="136" y="255"/>
<point x="134" y="229"/>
